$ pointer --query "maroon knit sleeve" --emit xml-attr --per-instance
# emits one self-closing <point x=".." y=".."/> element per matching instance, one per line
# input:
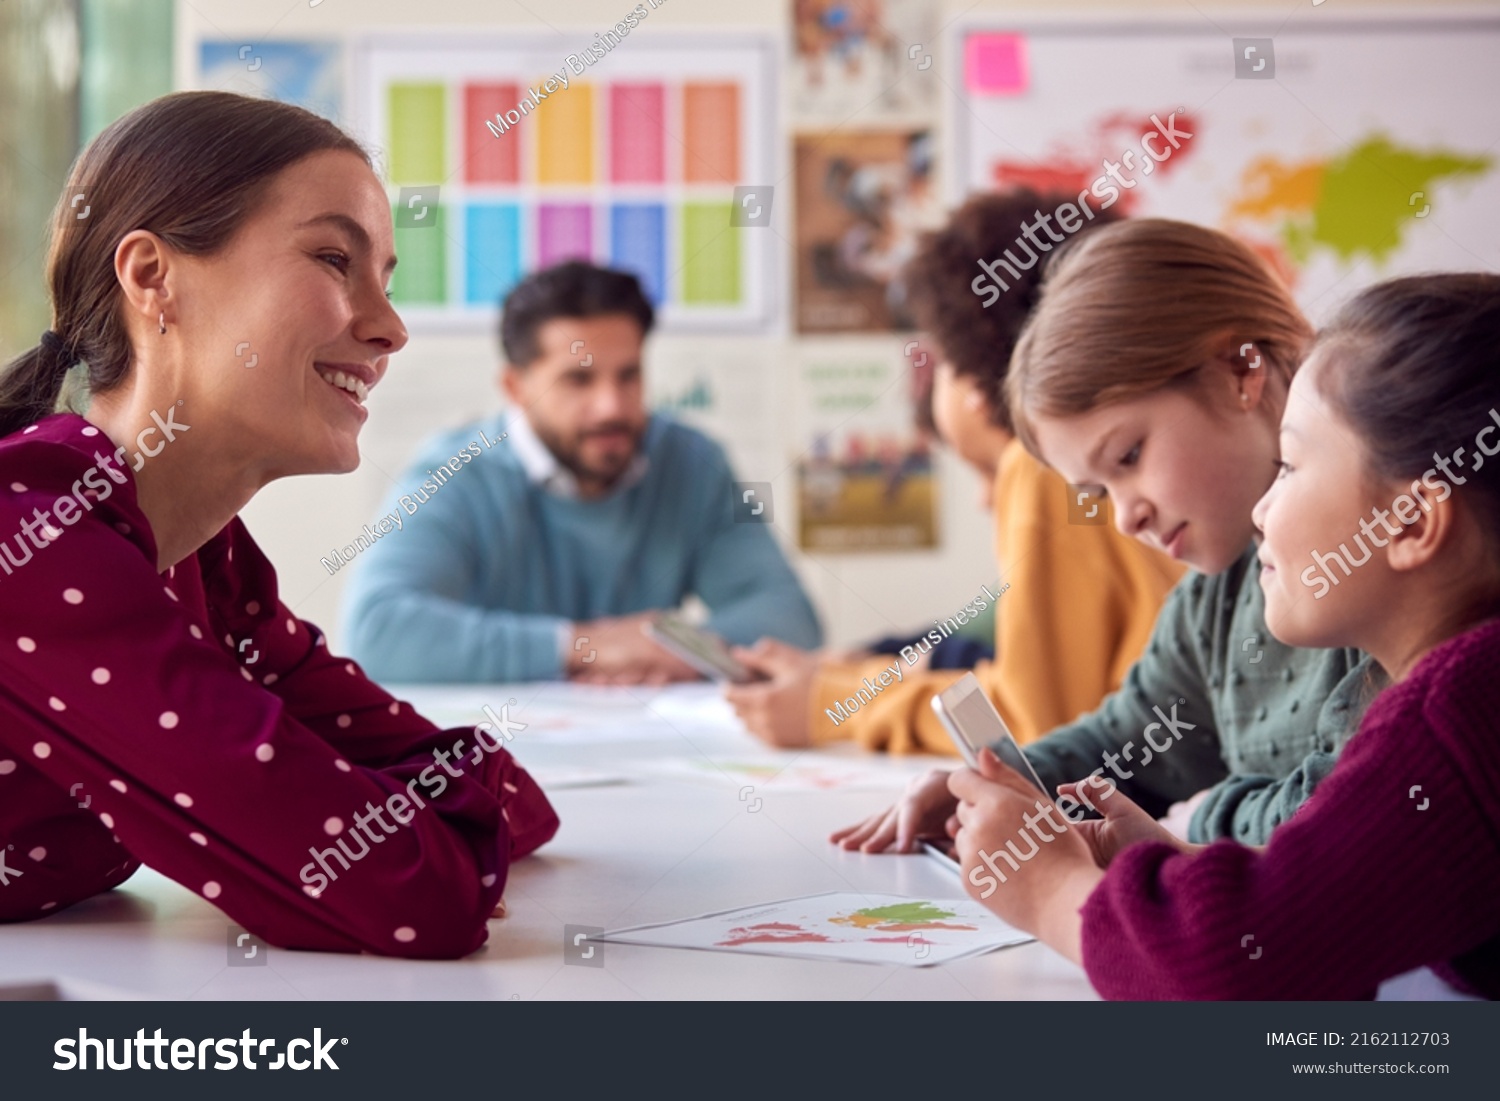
<point x="1390" y="866"/>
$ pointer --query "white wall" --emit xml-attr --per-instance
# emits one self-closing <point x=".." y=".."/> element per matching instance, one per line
<point x="439" y="381"/>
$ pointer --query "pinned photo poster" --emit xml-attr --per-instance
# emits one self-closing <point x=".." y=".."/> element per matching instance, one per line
<point x="872" y="59"/>
<point x="309" y="74"/>
<point x="865" y="479"/>
<point x="862" y="200"/>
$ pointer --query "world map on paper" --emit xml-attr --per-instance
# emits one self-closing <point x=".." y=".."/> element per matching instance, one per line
<point x="842" y="925"/>
<point x="902" y="923"/>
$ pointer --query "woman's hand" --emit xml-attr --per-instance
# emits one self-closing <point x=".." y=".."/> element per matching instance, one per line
<point x="775" y="709"/>
<point x="1021" y="856"/>
<point x="1124" y="824"/>
<point x="925" y="811"/>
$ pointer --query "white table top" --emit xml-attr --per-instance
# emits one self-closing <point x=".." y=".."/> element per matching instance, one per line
<point x="658" y="847"/>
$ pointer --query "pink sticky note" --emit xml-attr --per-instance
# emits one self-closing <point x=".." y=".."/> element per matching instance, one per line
<point x="995" y="64"/>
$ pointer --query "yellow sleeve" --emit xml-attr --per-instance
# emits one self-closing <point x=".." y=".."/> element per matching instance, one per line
<point x="1081" y="602"/>
<point x="898" y="718"/>
<point x="1077" y="603"/>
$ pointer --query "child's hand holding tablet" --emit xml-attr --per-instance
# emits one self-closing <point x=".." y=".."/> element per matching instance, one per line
<point x="974" y="724"/>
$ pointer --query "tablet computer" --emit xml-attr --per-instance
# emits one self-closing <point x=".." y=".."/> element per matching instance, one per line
<point x="705" y="652"/>
<point x="974" y="724"/>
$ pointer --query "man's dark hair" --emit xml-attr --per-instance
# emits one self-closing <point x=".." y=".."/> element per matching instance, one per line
<point x="572" y="289"/>
<point x="978" y="340"/>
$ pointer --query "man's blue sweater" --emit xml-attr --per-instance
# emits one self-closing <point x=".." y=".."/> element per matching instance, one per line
<point x="487" y="567"/>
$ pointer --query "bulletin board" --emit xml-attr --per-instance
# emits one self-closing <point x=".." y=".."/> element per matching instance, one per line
<point x="633" y="165"/>
<point x="1347" y="150"/>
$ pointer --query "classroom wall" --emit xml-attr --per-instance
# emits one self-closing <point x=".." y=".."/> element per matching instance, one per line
<point x="442" y="380"/>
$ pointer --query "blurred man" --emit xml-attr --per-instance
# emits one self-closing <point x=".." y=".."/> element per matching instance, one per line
<point x="541" y="541"/>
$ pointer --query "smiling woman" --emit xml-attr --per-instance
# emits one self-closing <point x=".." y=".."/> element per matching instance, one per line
<point x="233" y="263"/>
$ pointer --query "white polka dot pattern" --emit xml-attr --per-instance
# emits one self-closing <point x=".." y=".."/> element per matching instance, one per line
<point x="123" y="671"/>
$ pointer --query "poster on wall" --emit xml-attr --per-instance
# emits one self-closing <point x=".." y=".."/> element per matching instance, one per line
<point x="649" y="151"/>
<point x="308" y="74"/>
<point x="865" y="478"/>
<point x="725" y="389"/>
<point x="863" y="197"/>
<point x="1305" y="146"/>
<point x="862" y="60"/>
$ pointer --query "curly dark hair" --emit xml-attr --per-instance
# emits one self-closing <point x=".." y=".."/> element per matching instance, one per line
<point x="978" y="339"/>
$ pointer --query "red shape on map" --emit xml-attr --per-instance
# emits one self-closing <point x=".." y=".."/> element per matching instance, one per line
<point x="1068" y="170"/>
<point x="773" y="932"/>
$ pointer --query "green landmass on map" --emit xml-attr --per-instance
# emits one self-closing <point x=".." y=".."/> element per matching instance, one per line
<point x="906" y="912"/>
<point x="1354" y="204"/>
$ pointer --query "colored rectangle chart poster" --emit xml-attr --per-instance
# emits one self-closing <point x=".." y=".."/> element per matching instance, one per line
<point x="628" y="150"/>
<point x="863" y="197"/>
<point x="858" y="928"/>
<point x="865" y="478"/>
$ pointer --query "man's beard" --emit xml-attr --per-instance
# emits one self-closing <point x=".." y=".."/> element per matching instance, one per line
<point x="569" y="453"/>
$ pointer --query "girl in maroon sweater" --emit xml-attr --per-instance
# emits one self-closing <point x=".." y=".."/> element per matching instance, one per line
<point x="158" y="703"/>
<point x="1382" y="532"/>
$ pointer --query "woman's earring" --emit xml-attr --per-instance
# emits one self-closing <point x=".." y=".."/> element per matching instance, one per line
<point x="1244" y="398"/>
<point x="161" y="323"/>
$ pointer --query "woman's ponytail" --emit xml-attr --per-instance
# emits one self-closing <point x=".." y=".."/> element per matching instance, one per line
<point x="30" y="383"/>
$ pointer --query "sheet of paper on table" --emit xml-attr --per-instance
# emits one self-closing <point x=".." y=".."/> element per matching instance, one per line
<point x="788" y="771"/>
<point x="562" y="713"/>
<point x="563" y="777"/>
<point x="840" y="925"/>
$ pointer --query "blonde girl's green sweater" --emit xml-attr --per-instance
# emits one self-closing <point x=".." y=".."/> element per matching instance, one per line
<point x="1216" y="703"/>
